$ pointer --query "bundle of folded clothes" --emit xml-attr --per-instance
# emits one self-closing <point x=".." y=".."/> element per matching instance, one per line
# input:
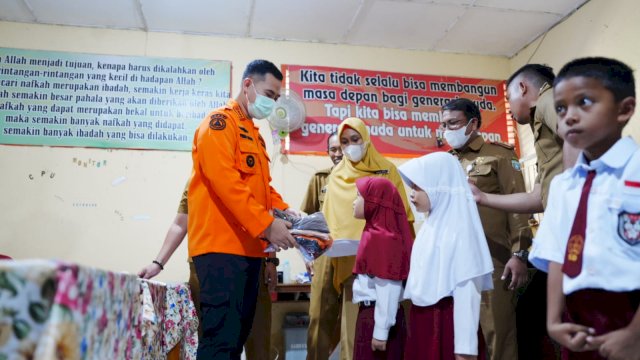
<point x="311" y="233"/>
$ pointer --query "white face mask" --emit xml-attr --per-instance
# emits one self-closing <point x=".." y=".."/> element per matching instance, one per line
<point x="262" y="107"/>
<point x="355" y="153"/>
<point x="457" y="138"/>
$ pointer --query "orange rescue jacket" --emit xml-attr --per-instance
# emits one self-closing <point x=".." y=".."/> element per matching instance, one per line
<point x="230" y="195"/>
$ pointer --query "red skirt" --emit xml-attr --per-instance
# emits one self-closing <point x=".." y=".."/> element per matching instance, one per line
<point x="430" y="335"/>
<point x="602" y="310"/>
<point x="364" y="334"/>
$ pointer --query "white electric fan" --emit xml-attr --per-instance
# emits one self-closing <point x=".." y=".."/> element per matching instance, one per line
<point x="288" y="115"/>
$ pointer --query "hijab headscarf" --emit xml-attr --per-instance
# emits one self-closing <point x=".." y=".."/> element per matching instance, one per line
<point x="450" y="247"/>
<point x="341" y="191"/>
<point x="385" y="246"/>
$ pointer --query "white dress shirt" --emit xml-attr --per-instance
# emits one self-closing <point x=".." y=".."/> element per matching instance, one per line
<point x="611" y="255"/>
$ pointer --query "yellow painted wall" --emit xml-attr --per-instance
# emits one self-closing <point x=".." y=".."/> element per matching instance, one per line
<point x="599" y="28"/>
<point x="125" y="229"/>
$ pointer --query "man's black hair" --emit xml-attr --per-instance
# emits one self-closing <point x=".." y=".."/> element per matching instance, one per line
<point x="260" y="68"/>
<point x="615" y="76"/>
<point x="538" y="74"/>
<point x="335" y="133"/>
<point x="468" y="108"/>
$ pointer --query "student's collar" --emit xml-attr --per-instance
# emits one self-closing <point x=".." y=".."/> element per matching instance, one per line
<point x="616" y="157"/>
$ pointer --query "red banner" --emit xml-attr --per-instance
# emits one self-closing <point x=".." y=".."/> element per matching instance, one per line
<point x="402" y="111"/>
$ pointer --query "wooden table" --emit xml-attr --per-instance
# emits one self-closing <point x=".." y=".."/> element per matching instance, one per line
<point x="293" y="288"/>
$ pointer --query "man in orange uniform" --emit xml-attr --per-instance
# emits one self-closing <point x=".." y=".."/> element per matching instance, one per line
<point x="230" y="199"/>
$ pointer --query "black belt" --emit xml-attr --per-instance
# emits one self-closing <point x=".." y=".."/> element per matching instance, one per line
<point x="367" y="303"/>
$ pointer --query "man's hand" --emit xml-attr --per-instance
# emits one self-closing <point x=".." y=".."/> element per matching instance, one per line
<point x="479" y="196"/>
<point x="270" y="276"/>
<point x="622" y="344"/>
<point x="149" y="271"/>
<point x="278" y="234"/>
<point x="518" y="271"/>
<point x="572" y="336"/>
<point x="378" y="345"/>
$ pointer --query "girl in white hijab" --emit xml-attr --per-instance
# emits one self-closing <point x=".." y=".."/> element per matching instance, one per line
<point x="450" y="262"/>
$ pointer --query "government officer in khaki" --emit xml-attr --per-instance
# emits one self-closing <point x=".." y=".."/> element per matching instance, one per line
<point x="493" y="168"/>
<point x="530" y="97"/>
<point x="323" y="334"/>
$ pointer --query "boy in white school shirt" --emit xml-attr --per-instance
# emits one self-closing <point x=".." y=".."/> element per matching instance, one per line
<point x="589" y="239"/>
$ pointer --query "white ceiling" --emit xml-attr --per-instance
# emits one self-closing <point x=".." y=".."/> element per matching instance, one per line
<point x="489" y="27"/>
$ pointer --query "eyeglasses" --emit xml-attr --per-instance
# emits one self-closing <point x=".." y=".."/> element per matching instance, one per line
<point x="453" y="124"/>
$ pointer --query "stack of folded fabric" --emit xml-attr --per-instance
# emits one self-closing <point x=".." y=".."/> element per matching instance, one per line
<point x="311" y="232"/>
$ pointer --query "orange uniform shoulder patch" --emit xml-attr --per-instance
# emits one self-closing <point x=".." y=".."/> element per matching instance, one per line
<point x="218" y="122"/>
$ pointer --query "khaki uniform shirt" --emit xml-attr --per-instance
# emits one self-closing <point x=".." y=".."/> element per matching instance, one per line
<point x="495" y="169"/>
<point x="183" y="207"/>
<point x="546" y="141"/>
<point x="316" y="192"/>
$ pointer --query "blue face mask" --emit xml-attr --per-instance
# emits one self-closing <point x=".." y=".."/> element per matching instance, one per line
<point x="262" y="107"/>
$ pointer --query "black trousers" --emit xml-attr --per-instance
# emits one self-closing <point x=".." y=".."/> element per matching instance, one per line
<point x="531" y="320"/>
<point x="228" y="293"/>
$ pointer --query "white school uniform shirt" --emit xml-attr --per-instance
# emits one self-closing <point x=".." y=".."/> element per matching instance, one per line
<point x="386" y="293"/>
<point x="611" y="255"/>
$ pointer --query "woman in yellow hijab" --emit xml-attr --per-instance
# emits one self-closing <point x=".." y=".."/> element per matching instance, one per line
<point x="361" y="159"/>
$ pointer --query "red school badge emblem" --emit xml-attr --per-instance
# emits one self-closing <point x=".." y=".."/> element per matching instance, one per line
<point x="629" y="227"/>
<point x="575" y="247"/>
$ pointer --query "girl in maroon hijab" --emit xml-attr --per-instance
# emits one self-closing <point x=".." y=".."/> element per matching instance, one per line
<point x="382" y="264"/>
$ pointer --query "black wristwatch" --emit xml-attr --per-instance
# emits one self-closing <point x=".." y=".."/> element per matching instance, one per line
<point x="522" y="255"/>
<point x="274" y="260"/>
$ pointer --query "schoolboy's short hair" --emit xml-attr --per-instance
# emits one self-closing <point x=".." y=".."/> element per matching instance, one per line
<point x="260" y="68"/>
<point x="538" y="74"/>
<point x="615" y="76"/>
<point x="468" y="108"/>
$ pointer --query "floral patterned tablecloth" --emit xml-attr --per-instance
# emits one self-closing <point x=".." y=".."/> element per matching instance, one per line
<point x="181" y="322"/>
<point x="55" y="310"/>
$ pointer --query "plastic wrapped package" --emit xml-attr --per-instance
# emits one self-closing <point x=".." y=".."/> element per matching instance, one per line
<point x="311" y="233"/>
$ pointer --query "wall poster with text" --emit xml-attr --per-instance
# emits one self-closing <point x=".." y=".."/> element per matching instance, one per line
<point x="106" y="101"/>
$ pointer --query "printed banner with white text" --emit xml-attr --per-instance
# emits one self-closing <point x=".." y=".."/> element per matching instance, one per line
<point x="402" y="111"/>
